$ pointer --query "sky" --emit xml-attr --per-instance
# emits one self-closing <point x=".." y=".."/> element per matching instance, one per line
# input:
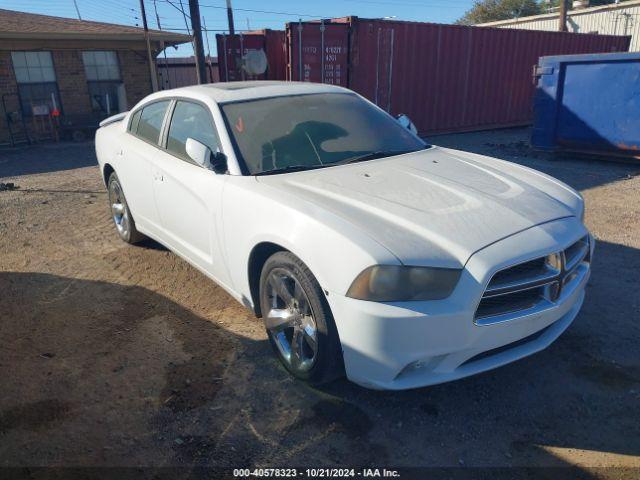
<point x="248" y="14"/>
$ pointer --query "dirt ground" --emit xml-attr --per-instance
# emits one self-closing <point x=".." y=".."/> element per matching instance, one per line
<point x="113" y="355"/>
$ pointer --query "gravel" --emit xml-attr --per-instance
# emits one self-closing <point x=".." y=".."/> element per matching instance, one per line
<point x="119" y="355"/>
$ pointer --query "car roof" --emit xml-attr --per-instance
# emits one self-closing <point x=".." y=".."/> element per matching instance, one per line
<point x="223" y="92"/>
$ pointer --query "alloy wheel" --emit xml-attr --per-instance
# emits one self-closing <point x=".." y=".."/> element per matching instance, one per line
<point x="290" y="320"/>
<point x="119" y="209"/>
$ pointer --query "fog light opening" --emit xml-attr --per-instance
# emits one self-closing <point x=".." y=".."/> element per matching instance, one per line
<point x="421" y="366"/>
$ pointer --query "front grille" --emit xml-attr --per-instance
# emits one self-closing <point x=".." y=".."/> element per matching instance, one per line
<point x="520" y="272"/>
<point x="513" y="302"/>
<point x="528" y="284"/>
<point x="576" y="253"/>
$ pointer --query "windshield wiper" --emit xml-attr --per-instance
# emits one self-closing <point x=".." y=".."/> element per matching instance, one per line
<point x="290" y="168"/>
<point x="373" y="156"/>
<point x="357" y="158"/>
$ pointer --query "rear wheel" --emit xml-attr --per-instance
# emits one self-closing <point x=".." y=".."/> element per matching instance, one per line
<point x="298" y="320"/>
<point x="125" y="225"/>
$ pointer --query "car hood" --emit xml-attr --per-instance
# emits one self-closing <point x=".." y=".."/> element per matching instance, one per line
<point x="434" y="207"/>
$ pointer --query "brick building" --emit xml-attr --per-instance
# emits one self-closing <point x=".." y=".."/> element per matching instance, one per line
<point x="60" y="74"/>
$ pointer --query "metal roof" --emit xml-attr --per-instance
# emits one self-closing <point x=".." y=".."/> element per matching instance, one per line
<point x="621" y="18"/>
<point x="21" y="25"/>
<point x="555" y="15"/>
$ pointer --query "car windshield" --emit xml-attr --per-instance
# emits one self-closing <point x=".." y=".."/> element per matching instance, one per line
<point x="302" y="132"/>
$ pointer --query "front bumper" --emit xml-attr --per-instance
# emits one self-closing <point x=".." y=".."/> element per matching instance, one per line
<point x="413" y="344"/>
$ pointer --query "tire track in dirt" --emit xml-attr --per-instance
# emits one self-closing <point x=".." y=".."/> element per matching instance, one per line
<point x="120" y="355"/>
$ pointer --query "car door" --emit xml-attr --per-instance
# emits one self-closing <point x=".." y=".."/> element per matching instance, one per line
<point x="189" y="196"/>
<point x="135" y="170"/>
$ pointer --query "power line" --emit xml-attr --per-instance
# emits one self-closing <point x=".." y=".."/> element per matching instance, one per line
<point x="204" y="5"/>
<point x="289" y="14"/>
<point x="75" y="4"/>
<point x="403" y="4"/>
<point x="101" y="9"/>
<point x="174" y="6"/>
<point x="171" y="29"/>
<point x="89" y="11"/>
<point x="185" y="16"/>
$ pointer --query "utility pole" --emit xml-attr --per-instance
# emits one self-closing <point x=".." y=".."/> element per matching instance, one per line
<point x="152" y="62"/>
<point x="232" y="30"/>
<point x="562" y="24"/>
<point x="75" y="4"/>
<point x="194" y="12"/>
<point x="166" y="82"/>
<point x="186" y="24"/>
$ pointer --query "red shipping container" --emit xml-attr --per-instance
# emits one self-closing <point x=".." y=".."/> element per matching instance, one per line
<point x="447" y="78"/>
<point x="233" y="48"/>
<point x="275" y="43"/>
<point x="305" y="44"/>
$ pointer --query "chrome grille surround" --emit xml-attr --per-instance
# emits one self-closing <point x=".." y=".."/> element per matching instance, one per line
<point x="532" y="285"/>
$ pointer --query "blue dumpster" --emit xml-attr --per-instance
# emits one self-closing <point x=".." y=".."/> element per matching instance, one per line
<point x="588" y="103"/>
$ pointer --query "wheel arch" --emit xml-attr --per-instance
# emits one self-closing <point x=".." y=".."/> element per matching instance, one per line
<point x="107" y="170"/>
<point x="257" y="258"/>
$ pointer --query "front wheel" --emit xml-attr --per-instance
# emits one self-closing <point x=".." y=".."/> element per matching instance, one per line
<point x="125" y="225"/>
<point x="298" y="320"/>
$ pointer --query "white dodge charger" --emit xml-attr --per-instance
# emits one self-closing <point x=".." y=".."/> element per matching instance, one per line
<point x="366" y="251"/>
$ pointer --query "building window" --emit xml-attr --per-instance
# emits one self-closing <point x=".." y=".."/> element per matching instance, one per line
<point x="37" y="86"/>
<point x="105" y="84"/>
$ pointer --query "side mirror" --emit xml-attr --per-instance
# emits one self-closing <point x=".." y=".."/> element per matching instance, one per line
<point x="219" y="162"/>
<point x="406" y="122"/>
<point x="198" y="152"/>
<point x="203" y="156"/>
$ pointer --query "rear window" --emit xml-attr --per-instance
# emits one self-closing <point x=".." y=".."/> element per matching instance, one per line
<point x="150" y="122"/>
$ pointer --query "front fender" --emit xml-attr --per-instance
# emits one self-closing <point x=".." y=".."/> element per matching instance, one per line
<point x="334" y="250"/>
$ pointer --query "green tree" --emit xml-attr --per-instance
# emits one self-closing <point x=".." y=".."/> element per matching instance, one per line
<point x="493" y="10"/>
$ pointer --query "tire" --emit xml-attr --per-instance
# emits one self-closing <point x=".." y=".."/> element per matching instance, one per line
<point x="120" y="213"/>
<point x="296" y="313"/>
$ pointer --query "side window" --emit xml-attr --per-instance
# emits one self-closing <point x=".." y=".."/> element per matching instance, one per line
<point x="190" y="120"/>
<point x="135" y="118"/>
<point x="150" y="121"/>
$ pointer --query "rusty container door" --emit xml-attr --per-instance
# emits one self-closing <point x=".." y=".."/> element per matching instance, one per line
<point x="384" y="50"/>
<point x="231" y="51"/>
<point x="276" y="54"/>
<point x="318" y="52"/>
<point x="451" y="78"/>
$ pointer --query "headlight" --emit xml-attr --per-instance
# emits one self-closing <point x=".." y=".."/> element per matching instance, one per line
<point x="396" y="283"/>
<point x="581" y="206"/>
